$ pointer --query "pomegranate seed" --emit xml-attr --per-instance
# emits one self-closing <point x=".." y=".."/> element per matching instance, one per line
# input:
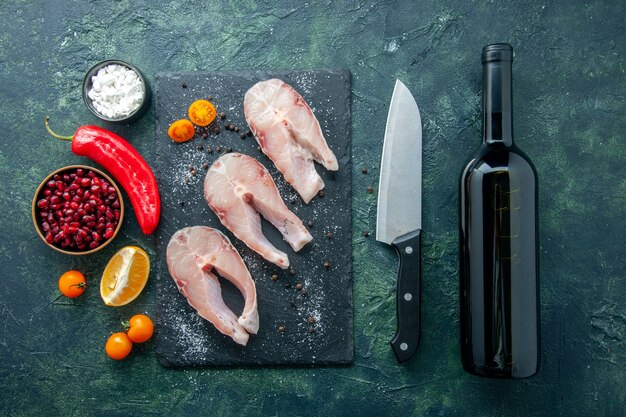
<point x="108" y="233"/>
<point x="117" y="215"/>
<point x="95" y="189"/>
<point x="85" y="182"/>
<point x="59" y="236"/>
<point x="81" y="246"/>
<point x="67" y="241"/>
<point x="80" y="192"/>
<point x="56" y="177"/>
<point x="91" y="174"/>
<point x="76" y="199"/>
<point x="87" y="239"/>
<point x="96" y="181"/>
<point x="88" y="219"/>
<point x="102" y="208"/>
<point x="112" y="190"/>
<point x="69" y="212"/>
<point x="75" y="224"/>
<point x="66" y="178"/>
<point x="76" y="217"/>
<point x="116" y="204"/>
<point x="49" y="237"/>
<point x="66" y="196"/>
<point x="59" y="214"/>
<point x="72" y="230"/>
<point x="43" y="203"/>
<point x="47" y="192"/>
<point x="74" y="187"/>
<point x="55" y="200"/>
<point x="45" y="226"/>
<point x="74" y="205"/>
<point x="101" y="226"/>
<point x="80" y="172"/>
<point x="94" y="245"/>
<point x="51" y="184"/>
<point x="72" y="176"/>
<point x="60" y="186"/>
<point x="110" y="215"/>
<point x="50" y="217"/>
<point x="91" y="225"/>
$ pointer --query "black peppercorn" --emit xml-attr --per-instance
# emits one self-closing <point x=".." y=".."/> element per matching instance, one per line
<point x="311" y="330"/>
<point x="310" y="223"/>
<point x="326" y="265"/>
<point x="205" y="165"/>
<point x="322" y="194"/>
<point x="236" y="129"/>
<point x="222" y="115"/>
<point x="370" y="189"/>
<point x="281" y="328"/>
<point x="329" y="235"/>
<point x="292" y="271"/>
<point x="364" y="170"/>
<point x="274" y="277"/>
<point x="216" y="130"/>
<point x="184" y="85"/>
<point x="242" y="135"/>
<point x="200" y="147"/>
<point x="365" y="233"/>
<point x="298" y="286"/>
<point x="311" y="320"/>
<point x="248" y="133"/>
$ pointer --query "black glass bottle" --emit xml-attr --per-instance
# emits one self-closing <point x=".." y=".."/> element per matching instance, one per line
<point x="499" y="277"/>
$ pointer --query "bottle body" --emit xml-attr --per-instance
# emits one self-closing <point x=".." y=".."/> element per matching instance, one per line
<point x="498" y="247"/>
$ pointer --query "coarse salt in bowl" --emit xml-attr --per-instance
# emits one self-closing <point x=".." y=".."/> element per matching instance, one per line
<point x="116" y="91"/>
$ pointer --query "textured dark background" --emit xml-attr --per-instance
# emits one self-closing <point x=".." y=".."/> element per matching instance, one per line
<point x="569" y="91"/>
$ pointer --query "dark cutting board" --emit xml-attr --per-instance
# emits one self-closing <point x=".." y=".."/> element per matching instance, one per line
<point x="183" y="337"/>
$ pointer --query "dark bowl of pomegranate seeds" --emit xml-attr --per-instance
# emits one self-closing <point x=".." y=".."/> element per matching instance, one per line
<point x="77" y="210"/>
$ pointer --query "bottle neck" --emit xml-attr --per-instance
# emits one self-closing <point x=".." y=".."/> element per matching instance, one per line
<point x="497" y="103"/>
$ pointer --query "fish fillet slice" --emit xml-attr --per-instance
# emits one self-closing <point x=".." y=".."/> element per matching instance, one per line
<point x="193" y="255"/>
<point x="238" y="188"/>
<point x="289" y="134"/>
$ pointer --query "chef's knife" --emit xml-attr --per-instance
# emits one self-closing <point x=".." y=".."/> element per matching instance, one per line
<point x="399" y="214"/>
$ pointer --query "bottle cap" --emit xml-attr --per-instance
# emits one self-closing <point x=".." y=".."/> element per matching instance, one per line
<point x="497" y="52"/>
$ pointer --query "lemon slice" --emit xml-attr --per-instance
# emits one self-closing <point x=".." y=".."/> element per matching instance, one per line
<point x="125" y="276"/>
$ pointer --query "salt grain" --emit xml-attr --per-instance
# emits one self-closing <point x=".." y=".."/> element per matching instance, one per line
<point x="116" y="91"/>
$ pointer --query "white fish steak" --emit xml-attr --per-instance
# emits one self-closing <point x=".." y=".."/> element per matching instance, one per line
<point x="289" y="134"/>
<point x="194" y="256"/>
<point x="238" y="188"/>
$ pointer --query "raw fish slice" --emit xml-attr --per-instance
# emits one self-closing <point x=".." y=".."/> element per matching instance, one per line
<point x="289" y="134"/>
<point x="193" y="255"/>
<point x="238" y="188"/>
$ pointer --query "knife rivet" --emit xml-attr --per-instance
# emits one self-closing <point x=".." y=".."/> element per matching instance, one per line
<point x="408" y="296"/>
<point x="404" y="346"/>
<point x="408" y="250"/>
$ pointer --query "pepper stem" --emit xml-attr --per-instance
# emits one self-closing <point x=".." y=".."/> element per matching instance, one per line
<point x="55" y="135"/>
<point x="126" y="325"/>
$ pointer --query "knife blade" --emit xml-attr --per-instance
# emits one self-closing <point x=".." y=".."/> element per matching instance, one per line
<point x="399" y="212"/>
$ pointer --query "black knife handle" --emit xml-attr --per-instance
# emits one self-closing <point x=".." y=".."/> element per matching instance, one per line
<point x="404" y="343"/>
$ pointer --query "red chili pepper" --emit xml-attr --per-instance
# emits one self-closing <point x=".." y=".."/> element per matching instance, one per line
<point x="125" y="164"/>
